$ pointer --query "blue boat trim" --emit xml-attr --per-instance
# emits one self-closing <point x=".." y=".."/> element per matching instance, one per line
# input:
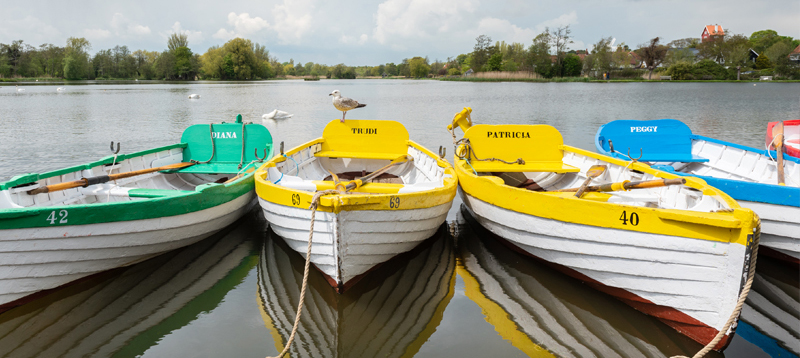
<point x="768" y="344"/>
<point x="670" y="140"/>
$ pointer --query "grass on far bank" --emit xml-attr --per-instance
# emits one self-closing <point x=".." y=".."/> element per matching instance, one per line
<point x="591" y="79"/>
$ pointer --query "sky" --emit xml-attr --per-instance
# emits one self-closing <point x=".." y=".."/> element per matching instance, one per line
<point x="364" y="32"/>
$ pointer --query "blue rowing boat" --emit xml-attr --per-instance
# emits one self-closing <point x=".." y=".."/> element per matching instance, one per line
<point x="747" y="174"/>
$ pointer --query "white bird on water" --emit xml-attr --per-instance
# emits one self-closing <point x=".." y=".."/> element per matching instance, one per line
<point x="277" y="114"/>
<point x="19" y="90"/>
<point x="344" y="104"/>
<point x="61" y="89"/>
<point x="194" y="96"/>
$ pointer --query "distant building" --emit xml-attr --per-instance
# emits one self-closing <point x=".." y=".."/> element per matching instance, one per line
<point x="469" y="72"/>
<point x="795" y="55"/>
<point x="752" y="55"/>
<point x="712" y="31"/>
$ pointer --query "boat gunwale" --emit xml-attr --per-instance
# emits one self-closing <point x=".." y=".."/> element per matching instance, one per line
<point x="715" y="226"/>
<point x="265" y="189"/>
<point x="204" y="196"/>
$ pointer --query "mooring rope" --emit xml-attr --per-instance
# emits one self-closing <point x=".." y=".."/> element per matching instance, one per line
<point x="742" y="297"/>
<point x="213" y="149"/>
<point x="313" y="207"/>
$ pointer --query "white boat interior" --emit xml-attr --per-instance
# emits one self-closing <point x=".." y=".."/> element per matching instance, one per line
<point x="304" y="169"/>
<point x="159" y="184"/>
<point x="729" y="162"/>
<point x="666" y="197"/>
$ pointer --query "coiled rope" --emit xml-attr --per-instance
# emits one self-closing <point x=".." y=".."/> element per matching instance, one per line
<point x="313" y="207"/>
<point x="742" y="297"/>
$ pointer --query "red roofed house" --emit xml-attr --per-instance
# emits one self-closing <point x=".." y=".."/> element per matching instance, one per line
<point x="795" y="55"/>
<point x="711" y="31"/>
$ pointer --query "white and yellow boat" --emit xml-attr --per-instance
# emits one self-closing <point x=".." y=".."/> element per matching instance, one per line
<point x="373" y="221"/>
<point x="680" y="253"/>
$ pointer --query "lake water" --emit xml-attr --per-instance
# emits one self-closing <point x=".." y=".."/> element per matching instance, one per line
<point x="460" y="294"/>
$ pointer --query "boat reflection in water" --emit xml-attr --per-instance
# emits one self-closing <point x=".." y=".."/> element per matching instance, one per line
<point x="126" y="311"/>
<point x="391" y="312"/>
<point x="547" y="314"/>
<point x="771" y="315"/>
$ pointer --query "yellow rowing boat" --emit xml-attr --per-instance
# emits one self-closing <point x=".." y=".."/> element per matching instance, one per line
<point x="368" y="221"/>
<point x="678" y="252"/>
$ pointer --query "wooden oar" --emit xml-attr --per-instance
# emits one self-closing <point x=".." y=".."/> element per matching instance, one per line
<point x="84" y="182"/>
<point x="593" y="172"/>
<point x="777" y="138"/>
<point x="628" y="185"/>
<point x="355" y="183"/>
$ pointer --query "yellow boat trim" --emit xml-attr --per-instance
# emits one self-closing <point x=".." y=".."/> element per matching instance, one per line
<point x="498" y="317"/>
<point x="370" y="196"/>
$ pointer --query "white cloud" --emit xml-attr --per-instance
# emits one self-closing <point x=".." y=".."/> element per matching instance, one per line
<point x="243" y="25"/>
<point x="563" y="20"/>
<point x="504" y="30"/>
<point x="224" y="35"/>
<point x="138" y="30"/>
<point x="419" y="18"/>
<point x="352" y="40"/>
<point x="96" y="34"/>
<point x="292" y="19"/>
<point x="192" y="36"/>
<point x="123" y="26"/>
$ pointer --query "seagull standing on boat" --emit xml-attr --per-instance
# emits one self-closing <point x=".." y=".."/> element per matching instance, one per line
<point x="344" y="104"/>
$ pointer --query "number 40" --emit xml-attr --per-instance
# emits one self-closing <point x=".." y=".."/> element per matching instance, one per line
<point x="633" y="218"/>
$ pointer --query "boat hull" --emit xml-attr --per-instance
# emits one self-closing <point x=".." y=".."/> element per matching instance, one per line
<point x="348" y="244"/>
<point x="38" y="259"/>
<point x="690" y="284"/>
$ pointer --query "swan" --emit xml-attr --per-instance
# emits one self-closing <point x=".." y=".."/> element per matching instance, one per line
<point x="61" y="89"/>
<point x="277" y="114"/>
<point x="19" y="90"/>
<point x="194" y="96"/>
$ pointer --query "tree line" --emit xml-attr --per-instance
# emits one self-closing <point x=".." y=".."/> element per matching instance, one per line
<point x="548" y="54"/>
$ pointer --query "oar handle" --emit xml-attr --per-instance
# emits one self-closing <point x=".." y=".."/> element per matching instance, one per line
<point x="356" y="183"/>
<point x="84" y="182"/>
<point x="628" y="185"/>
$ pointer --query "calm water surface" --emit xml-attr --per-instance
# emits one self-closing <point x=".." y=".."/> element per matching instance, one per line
<point x="460" y="294"/>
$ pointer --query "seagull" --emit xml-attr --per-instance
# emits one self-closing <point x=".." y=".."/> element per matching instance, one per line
<point x="194" y="96"/>
<point x="344" y="104"/>
<point x="277" y="114"/>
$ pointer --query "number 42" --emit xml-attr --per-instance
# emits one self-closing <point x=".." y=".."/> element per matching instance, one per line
<point x="61" y="215"/>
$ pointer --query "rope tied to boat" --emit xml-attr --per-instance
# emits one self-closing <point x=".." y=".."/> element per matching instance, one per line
<point x="742" y="297"/>
<point x="213" y="148"/>
<point x="313" y="207"/>
<point x="469" y="152"/>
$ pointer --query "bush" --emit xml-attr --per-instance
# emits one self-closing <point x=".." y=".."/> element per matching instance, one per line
<point x="680" y="71"/>
<point x="710" y="70"/>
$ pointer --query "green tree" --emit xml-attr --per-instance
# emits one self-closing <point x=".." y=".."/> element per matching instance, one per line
<point x="560" y="39"/>
<point x="482" y="51"/>
<point x="242" y="57"/>
<point x="164" y="66"/>
<point x="602" y="56"/>
<point x="572" y="65"/>
<point x="495" y="62"/>
<point x="763" y="62"/>
<point x="184" y="67"/>
<point x="176" y="41"/>
<point x="708" y="69"/>
<point x="418" y="67"/>
<point x="78" y="55"/>
<point x="228" y="68"/>
<point x="538" y="56"/>
<point x="391" y="69"/>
